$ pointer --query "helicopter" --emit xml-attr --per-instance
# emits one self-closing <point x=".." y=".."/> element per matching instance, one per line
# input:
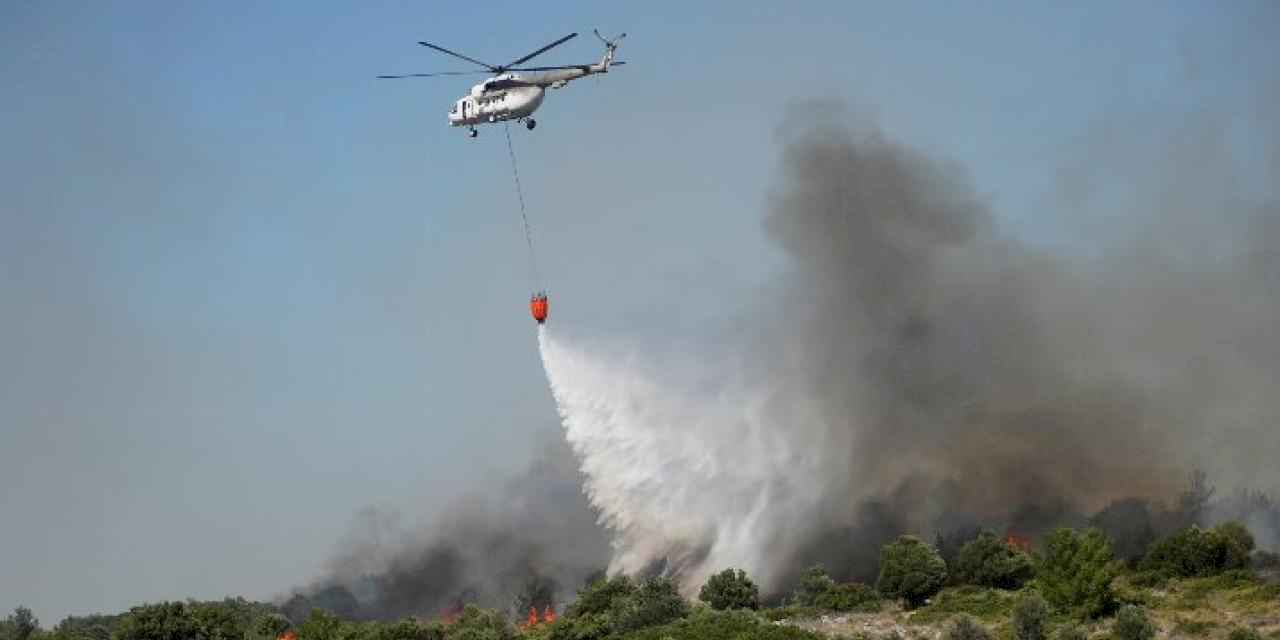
<point x="512" y="96"/>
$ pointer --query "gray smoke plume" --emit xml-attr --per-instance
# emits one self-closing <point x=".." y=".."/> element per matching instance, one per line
<point x="916" y="368"/>
<point x="533" y="540"/>
<point x="919" y="370"/>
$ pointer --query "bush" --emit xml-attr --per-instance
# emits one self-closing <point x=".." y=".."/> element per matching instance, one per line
<point x="708" y="624"/>
<point x="1237" y="534"/>
<point x="479" y="624"/>
<point x="966" y="628"/>
<point x="910" y="569"/>
<point x="819" y="591"/>
<point x="270" y="626"/>
<point x="599" y="596"/>
<point x="1071" y="632"/>
<point x="655" y="602"/>
<point x="730" y="590"/>
<point x="1242" y="633"/>
<point x="1132" y="623"/>
<point x="850" y="596"/>
<point x="1193" y="552"/>
<point x="986" y="561"/>
<point x="814" y="585"/>
<point x="1075" y="572"/>
<point x="162" y="621"/>
<point x="1030" y="616"/>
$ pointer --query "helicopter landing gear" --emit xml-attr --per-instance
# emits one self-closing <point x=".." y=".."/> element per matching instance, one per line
<point x="472" y="132"/>
<point x="530" y="124"/>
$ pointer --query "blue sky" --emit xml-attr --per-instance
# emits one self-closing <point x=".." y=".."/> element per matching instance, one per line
<point x="248" y="289"/>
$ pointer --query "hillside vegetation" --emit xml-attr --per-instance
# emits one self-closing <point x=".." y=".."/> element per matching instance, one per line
<point x="1126" y="577"/>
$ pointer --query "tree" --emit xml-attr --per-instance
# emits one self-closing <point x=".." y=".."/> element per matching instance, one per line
<point x="814" y="585"/>
<point x="910" y="569"/>
<point x="408" y="629"/>
<point x="1030" y="617"/>
<point x="1129" y="526"/>
<point x="987" y="561"/>
<point x="269" y="627"/>
<point x="479" y="624"/>
<point x="1195" y="498"/>
<point x="1195" y="552"/>
<point x="600" y="596"/>
<point x="1132" y="623"/>
<point x="655" y="602"/>
<point x="22" y="624"/>
<point x="730" y="589"/>
<point x="163" y="621"/>
<point x="1075" y="572"/>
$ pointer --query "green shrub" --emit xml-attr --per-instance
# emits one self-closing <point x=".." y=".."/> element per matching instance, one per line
<point x="966" y="628"/>
<point x="730" y="590"/>
<point x="814" y="585"/>
<point x="819" y="591"/>
<point x="1030" y="617"/>
<point x="655" y="602"/>
<point x="849" y="596"/>
<point x="708" y="624"/>
<point x="599" y="596"/>
<point x="1193" y="552"/>
<point x="987" y="561"/>
<point x="1071" y="632"/>
<point x="911" y="570"/>
<point x="1132" y="623"/>
<point x="1243" y="633"/>
<point x="480" y="624"/>
<point x="1075" y="572"/>
<point x="269" y="627"/>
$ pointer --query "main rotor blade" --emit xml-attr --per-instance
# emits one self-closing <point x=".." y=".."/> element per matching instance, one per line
<point x="564" y="66"/>
<point x="541" y="51"/>
<point x="438" y="73"/>
<point x="458" y="55"/>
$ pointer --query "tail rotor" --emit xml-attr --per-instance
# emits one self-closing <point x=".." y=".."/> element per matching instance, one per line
<point x="610" y="44"/>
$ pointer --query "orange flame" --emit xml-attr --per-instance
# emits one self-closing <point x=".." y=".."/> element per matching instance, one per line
<point x="1018" y="542"/>
<point x="288" y="635"/>
<point x="549" y="615"/>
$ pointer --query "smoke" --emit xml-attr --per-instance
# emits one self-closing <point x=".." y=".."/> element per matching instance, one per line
<point x="917" y="369"/>
<point x="533" y="534"/>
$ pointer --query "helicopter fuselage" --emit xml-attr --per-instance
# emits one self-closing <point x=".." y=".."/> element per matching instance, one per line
<point x="496" y="105"/>
<point x="511" y="96"/>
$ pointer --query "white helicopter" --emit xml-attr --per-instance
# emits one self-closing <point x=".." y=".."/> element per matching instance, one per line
<point x="511" y="96"/>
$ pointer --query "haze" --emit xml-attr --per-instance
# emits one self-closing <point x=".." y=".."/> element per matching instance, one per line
<point x="247" y="290"/>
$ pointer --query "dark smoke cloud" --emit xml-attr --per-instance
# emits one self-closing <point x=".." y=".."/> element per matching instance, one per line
<point x="535" y="531"/>
<point x="957" y="376"/>
<point x="969" y="375"/>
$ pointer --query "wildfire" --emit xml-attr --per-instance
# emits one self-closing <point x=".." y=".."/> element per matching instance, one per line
<point x="288" y="635"/>
<point x="451" y="614"/>
<point x="548" y="616"/>
<point x="1016" y="541"/>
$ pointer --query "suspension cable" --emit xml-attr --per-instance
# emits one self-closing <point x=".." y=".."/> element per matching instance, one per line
<point x="528" y="236"/>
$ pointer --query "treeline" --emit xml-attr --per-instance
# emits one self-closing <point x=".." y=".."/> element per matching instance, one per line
<point x="1069" y="575"/>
